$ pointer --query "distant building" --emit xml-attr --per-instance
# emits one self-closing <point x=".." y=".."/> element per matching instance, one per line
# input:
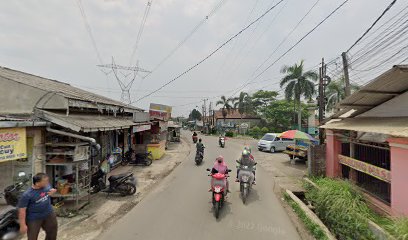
<point x="234" y="119"/>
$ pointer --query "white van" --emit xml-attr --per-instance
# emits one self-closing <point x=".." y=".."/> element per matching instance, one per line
<point x="272" y="143"/>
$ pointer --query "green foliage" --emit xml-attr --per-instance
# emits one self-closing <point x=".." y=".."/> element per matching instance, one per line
<point x="229" y="134"/>
<point x="280" y="114"/>
<point x="263" y="98"/>
<point x="255" y="132"/>
<point x="264" y="130"/>
<point x="195" y="115"/>
<point x="399" y="228"/>
<point x="314" y="229"/>
<point x="341" y="208"/>
<point x="335" y="92"/>
<point x="226" y="105"/>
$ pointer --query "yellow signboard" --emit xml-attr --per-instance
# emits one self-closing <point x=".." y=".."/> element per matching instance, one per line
<point x="12" y="144"/>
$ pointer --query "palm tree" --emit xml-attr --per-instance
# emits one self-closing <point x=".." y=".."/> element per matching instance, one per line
<point x="226" y="105"/>
<point x="242" y="103"/>
<point x="335" y="92"/>
<point x="298" y="83"/>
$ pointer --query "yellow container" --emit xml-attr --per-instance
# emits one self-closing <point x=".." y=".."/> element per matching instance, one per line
<point x="157" y="149"/>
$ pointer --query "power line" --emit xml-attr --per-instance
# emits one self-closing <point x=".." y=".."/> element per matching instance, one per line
<point x="141" y="28"/>
<point x="300" y="40"/>
<point x="213" y="52"/>
<point x="89" y="30"/>
<point x="287" y="36"/>
<point x="185" y="39"/>
<point x="372" y="25"/>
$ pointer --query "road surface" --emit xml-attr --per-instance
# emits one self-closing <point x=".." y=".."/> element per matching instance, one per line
<point x="180" y="208"/>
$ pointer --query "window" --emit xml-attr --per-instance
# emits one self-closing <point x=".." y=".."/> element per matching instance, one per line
<point x="268" y="137"/>
<point x="277" y="139"/>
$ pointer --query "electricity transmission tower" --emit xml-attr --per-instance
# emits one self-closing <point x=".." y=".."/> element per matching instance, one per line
<point x="127" y="79"/>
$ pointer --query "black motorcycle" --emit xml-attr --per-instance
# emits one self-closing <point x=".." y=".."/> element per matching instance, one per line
<point x="9" y="226"/>
<point x="199" y="157"/>
<point x="137" y="159"/>
<point x="123" y="184"/>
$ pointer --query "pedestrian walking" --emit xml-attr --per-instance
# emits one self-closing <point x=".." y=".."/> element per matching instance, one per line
<point x="35" y="209"/>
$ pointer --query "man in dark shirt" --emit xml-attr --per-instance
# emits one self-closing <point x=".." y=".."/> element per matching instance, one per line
<point x="35" y="210"/>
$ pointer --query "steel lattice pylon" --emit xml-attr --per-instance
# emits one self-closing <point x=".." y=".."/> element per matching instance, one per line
<point x="125" y="85"/>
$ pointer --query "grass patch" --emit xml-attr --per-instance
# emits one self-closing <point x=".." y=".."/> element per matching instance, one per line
<point x="314" y="229"/>
<point x="342" y="208"/>
<point x="399" y="228"/>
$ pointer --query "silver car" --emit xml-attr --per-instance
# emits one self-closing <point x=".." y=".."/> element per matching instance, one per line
<point x="272" y="143"/>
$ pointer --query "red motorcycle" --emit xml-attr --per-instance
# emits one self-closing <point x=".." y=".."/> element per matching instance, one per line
<point x="218" y="189"/>
<point x="195" y="138"/>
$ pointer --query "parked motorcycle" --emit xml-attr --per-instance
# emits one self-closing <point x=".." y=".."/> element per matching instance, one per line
<point x="199" y="157"/>
<point x="123" y="184"/>
<point x="222" y="142"/>
<point x="9" y="226"/>
<point x="246" y="179"/>
<point x="218" y="190"/>
<point x="137" y="159"/>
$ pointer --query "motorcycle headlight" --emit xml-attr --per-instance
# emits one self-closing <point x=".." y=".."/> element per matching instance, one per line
<point x="217" y="189"/>
<point x="245" y="178"/>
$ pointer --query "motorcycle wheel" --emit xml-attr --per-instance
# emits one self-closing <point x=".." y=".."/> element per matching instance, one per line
<point x="127" y="189"/>
<point x="244" y="195"/>
<point x="148" y="162"/>
<point x="94" y="189"/>
<point x="217" y="207"/>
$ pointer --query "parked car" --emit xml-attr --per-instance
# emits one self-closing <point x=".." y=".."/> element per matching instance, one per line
<point x="272" y="143"/>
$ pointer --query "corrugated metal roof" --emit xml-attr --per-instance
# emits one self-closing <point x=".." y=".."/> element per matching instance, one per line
<point x="61" y="88"/>
<point x="397" y="127"/>
<point x="86" y="122"/>
<point x="381" y="89"/>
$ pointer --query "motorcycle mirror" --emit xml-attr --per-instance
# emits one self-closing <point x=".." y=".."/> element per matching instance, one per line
<point x="229" y="170"/>
<point x="255" y="164"/>
<point x="208" y="169"/>
<point x="21" y="174"/>
<point x="237" y="161"/>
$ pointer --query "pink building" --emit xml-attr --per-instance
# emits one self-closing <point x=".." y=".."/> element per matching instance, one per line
<point x="367" y="141"/>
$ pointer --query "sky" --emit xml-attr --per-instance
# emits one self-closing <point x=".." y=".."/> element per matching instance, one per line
<point x="50" y="39"/>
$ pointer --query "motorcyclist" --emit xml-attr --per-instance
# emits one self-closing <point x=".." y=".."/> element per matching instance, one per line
<point x="194" y="134"/>
<point x="246" y="159"/>
<point x="221" y="167"/>
<point x="219" y="139"/>
<point x="200" y="147"/>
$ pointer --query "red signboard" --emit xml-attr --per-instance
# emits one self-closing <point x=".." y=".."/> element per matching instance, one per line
<point x="377" y="172"/>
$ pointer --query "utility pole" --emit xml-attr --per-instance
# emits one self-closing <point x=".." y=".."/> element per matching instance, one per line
<point x="321" y="100"/>
<point x="347" y="88"/>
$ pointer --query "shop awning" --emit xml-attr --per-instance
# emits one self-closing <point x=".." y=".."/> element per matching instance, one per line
<point x="86" y="122"/>
<point x="397" y="127"/>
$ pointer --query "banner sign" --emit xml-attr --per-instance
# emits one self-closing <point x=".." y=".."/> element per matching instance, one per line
<point x="377" y="172"/>
<point x="141" y="128"/>
<point x="159" y="111"/>
<point x="12" y="144"/>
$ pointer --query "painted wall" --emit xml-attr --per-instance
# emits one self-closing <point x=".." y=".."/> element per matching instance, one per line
<point x="333" y="149"/>
<point x="399" y="175"/>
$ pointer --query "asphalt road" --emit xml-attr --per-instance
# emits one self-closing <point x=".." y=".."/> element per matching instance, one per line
<point x="180" y="208"/>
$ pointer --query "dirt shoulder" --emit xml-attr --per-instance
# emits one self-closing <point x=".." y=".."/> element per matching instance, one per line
<point x="104" y="210"/>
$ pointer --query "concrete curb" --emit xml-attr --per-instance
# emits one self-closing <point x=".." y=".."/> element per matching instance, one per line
<point x="311" y="215"/>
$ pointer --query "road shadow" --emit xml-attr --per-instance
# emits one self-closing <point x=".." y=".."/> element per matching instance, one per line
<point x="252" y="197"/>
<point x="225" y="210"/>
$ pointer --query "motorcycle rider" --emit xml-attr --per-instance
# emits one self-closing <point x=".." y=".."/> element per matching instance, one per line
<point x="221" y="167"/>
<point x="200" y="147"/>
<point x="194" y="134"/>
<point x="246" y="159"/>
<point x="219" y="139"/>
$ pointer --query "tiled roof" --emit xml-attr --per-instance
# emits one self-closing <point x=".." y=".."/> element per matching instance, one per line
<point x="234" y="114"/>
